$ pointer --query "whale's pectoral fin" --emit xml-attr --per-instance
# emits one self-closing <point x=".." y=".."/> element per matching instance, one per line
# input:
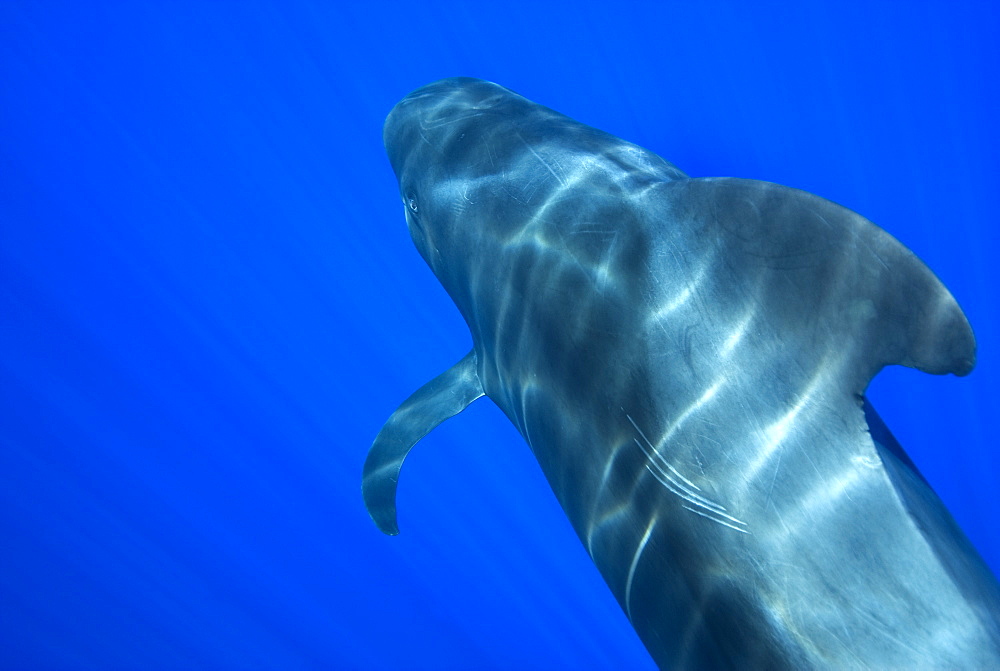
<point x="828" y="279"/>
<point x="445" y="396"/>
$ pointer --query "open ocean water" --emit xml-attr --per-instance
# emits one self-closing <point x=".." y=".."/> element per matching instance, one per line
<point x="209" y="304"/>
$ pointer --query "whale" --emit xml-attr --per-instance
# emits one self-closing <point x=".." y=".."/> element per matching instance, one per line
<point x="687" y="359"/>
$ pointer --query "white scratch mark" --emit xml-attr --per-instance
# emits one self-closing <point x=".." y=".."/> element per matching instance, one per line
<point x="677" y="484"/>
<point x="542" y="160"/>
<point x="708" y="506"/>
<point x="773" y="479"/>
<point x="723" y="523"/>
<point x="686" y="481"/>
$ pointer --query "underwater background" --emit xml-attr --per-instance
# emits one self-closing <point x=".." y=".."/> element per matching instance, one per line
<point x="209" y="304"/>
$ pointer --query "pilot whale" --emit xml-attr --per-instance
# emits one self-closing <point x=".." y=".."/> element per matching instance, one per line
<point x="687" y="360"/>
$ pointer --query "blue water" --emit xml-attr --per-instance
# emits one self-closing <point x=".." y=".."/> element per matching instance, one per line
<point x="209" y="304"/>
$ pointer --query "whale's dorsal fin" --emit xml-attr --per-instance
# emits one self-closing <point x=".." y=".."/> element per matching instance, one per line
<point x="827" y="276"/>
<point x="445" y="396"/>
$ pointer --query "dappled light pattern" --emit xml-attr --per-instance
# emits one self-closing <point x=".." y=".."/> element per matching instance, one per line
<point x="686" y="359"/>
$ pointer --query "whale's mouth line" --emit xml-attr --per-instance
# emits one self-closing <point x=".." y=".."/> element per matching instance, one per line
<point x="414" y="223"/>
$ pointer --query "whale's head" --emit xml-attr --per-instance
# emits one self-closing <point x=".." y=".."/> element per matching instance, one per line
<point x="432" y="118"/>
<point x="438" y="139"/>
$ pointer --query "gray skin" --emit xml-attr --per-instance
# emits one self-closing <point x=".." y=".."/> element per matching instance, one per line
<point x="686" y="359"/>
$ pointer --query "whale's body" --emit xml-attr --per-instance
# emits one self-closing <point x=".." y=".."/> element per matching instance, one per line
<point x="686" y="359"/>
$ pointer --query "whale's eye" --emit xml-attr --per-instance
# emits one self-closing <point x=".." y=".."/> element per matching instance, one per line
<point x="411" y="202"/>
